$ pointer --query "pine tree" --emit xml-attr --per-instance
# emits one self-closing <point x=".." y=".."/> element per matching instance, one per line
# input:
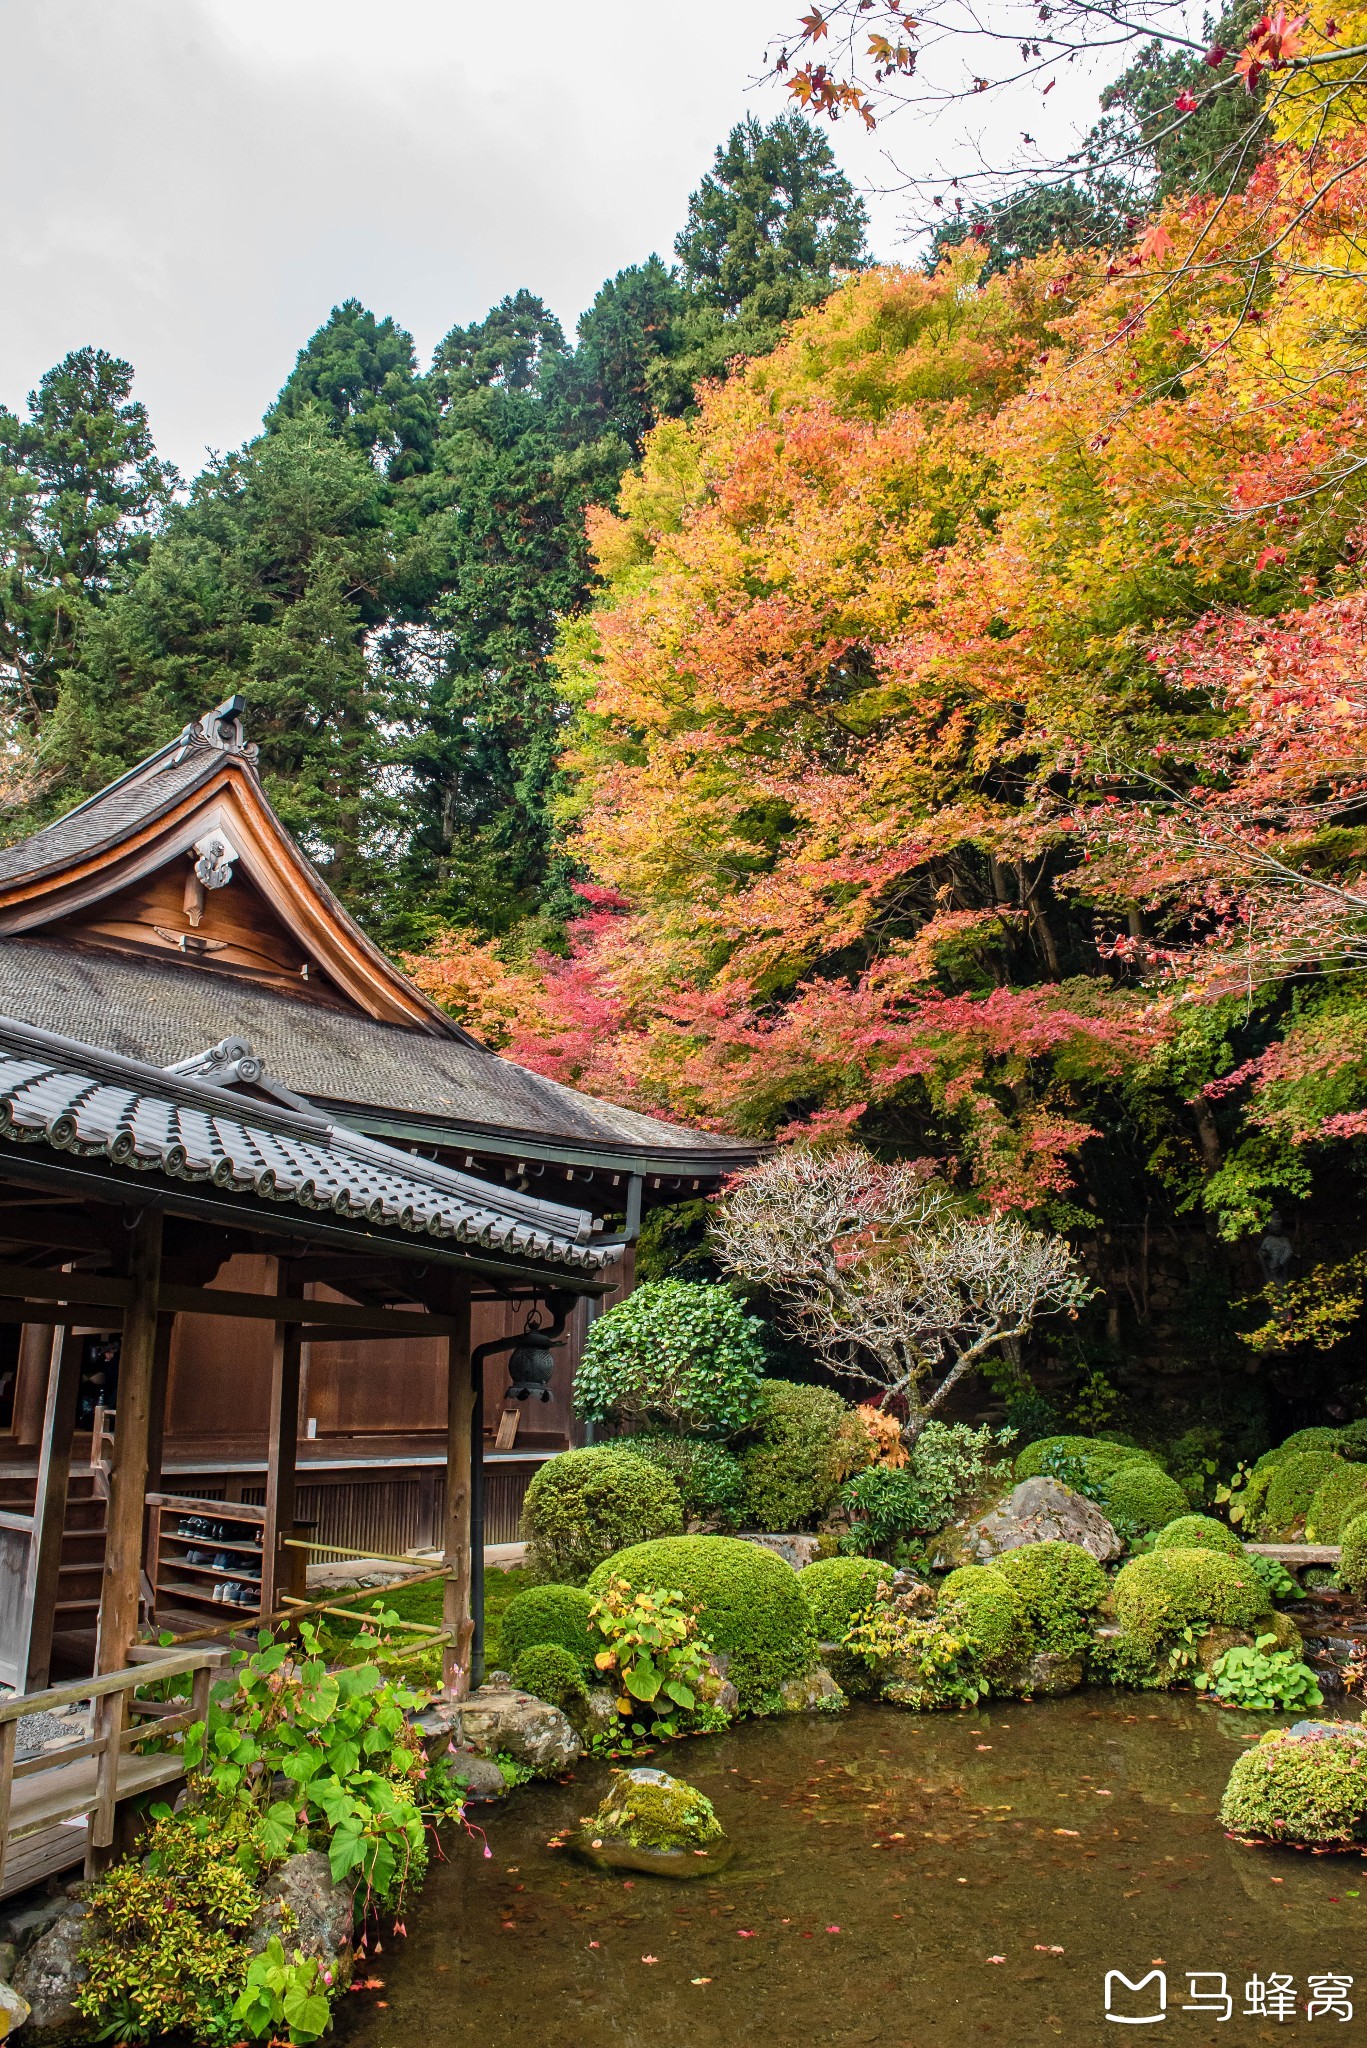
<point x="363" y="372"/>
<point x="81" y="488"/>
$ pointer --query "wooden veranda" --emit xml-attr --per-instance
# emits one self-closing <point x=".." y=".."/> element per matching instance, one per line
<point x="124" y="1192"/>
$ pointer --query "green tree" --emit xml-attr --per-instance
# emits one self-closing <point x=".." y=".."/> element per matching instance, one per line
<point x="363" y="373"/>
<point x="269" y="581"/>
<point x="773" y="224"/>
<point x="81" y="490"/>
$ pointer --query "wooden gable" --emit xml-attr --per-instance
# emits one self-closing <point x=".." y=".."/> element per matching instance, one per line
<point x="185" y="859"/>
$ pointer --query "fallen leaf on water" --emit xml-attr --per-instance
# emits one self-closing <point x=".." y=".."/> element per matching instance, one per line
<point x="984" y="1745"/>
<point x="996" y="1959"/>
<point x="593" y="1944"/>
<point x="1160" y="1960"/>
<point x="832" y="1930"/>
<point x="1047" y="1948"/>
<point x="650" y="1959"/>
<point x="1067" y="1831"/>
<point x="700" y="1980"/>
<point x="746" y="1933"/>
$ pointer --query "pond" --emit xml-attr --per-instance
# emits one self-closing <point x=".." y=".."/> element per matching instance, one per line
<point x="916" y="1881"/>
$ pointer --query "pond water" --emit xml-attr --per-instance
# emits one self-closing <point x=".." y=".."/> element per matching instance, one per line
<point x="916" y="1881"/>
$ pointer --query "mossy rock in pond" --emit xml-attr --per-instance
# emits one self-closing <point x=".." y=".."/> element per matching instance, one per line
<point x="652" y="1822"/>
<point x="1199" y="1532"/>
<point x="1305" y="1785"/>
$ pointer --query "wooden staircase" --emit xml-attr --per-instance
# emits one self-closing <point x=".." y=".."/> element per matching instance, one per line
<point x="81" y="1573"/>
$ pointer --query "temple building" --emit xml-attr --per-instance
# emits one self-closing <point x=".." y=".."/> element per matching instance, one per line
<point x="194" y="1030"/>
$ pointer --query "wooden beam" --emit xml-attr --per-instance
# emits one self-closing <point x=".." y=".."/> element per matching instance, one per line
<point x="49" y="1513"/>
<point x="278" y="1567"/>
<point x="36" y="1284"/>
<point x="458" y="1612"/>
<point x="128" y="1486"/>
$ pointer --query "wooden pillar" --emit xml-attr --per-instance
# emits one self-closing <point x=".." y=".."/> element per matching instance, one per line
<point x="49" y="1507"/>
<point x="458" y="1609"/>
<point x="278" y="1567"/>
<point x="161" y="1378"/>
<point x="128" y="1486"/>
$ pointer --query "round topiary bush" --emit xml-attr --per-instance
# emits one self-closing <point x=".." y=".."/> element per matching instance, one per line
<point x="802" y="1448"/>
<point x="1310" y="1790"/>
<point x="981" y="1605"/>
<point x="710" y="1479"/>
<point x="1338" y="1499"/>
<point x="1294" y="1482"/>
<point x="1323" y="1437"/>
<point x="750" y="1605"/>
<point x="548" y="1614"/>
<point x="1034" y="1461"/>
<point x="836" y="1589"/>
<point x="1199" y="1532"/>
<point x="552" y="1673"/>
<point x="1158" y="1596"/>
<point x="681" y="1354"/>
<point x="585" y="1504"/>
<point x="1060" y="1586"/>
<point x="1141" y="1496"/>
<point x="1353" y="1557"/>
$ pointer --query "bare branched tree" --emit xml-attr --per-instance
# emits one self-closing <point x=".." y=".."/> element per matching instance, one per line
<point x="883" y="1273"/>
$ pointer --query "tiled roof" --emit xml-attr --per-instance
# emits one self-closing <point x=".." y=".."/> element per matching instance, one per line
<point x="79" y="1099"/>
<point x="166" y="1011"/>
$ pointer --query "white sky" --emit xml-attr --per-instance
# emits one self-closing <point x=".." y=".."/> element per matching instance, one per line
<point x="192" y="184"/>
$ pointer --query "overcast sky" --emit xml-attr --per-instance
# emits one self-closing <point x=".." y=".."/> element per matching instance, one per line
<point x="192" y="184"/>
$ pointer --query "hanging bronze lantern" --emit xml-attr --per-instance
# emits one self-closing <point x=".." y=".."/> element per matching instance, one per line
<point x="531" y="1364"/>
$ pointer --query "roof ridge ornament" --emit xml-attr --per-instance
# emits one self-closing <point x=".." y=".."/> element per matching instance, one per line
<point x="235" y="1063"/>
<point x="222" y="729"/>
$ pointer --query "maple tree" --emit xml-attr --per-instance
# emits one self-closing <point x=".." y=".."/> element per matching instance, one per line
<point x="881" y="1272"/>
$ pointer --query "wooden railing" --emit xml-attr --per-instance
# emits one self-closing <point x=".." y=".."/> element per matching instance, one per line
<point x="87" y="1779"/>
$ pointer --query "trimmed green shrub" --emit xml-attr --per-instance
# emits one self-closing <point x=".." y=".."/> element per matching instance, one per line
<point x="801" y="1452"/>
<point x="552" y="1673"/>
<point x="1140" y="1496"/>
<point x="1034" y="1462"/>
<point x="585" y="1504"/>
<point x="1199" y="1532"/>
<point x="885" y="1507"/>
<point x="837" y="1589"/>
<point x="1290" y="1490"/>
<point x="1310" y="1790"/>
<point x="547" y="1614"/>
<point x="1320" y="1438"/>
<point x="1060" y="1587"/>
<point x="1158" y="1596"/>
<point x="1340" y="1496"/>
<point x="710" y="1479"/>
<point x="1353" y="1557"/>
<point x="750" y="1603"/>
<point x="981" y="1605"/>
<point x="678" y="1353"/>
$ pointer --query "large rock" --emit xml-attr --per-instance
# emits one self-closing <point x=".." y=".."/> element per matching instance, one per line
<point x="49" y="1977"/>
<point x="798" y="1551"/>
<point x="1036" y="1511"/>
<point x="321" y="1914"/>
<point x="498" y="1720"/>
<point x="1050" y="1673"/>
<point x="480" y="1775"/>
<point x="815" y="1692"/>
